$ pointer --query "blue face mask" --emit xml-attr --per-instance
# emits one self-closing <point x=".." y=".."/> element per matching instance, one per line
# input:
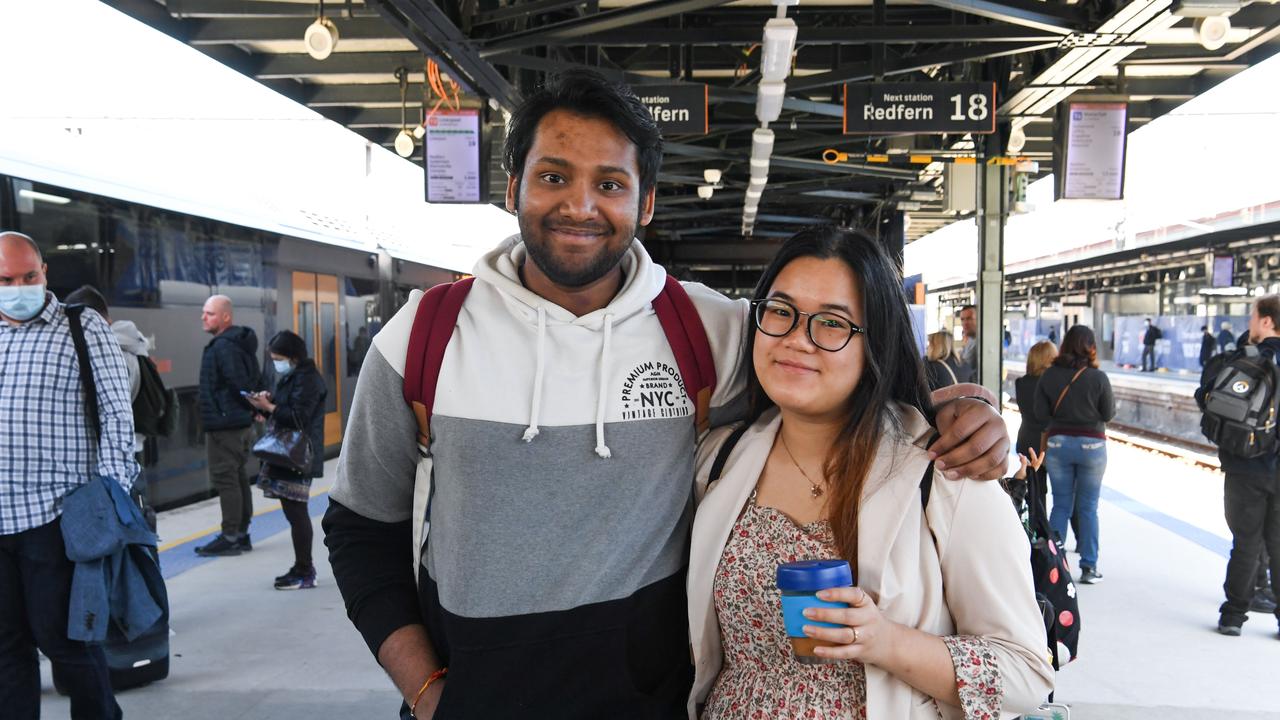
<point x="283" y="367"/>
<point x="21" y="302"/>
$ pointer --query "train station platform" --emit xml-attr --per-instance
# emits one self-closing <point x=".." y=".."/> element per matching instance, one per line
<point x="242" y="650"/>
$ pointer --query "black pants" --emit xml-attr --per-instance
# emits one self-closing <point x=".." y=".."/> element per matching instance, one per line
<point x="1148" y="352"/>
<point x="35" y="597"/>
<point x="1252" y="506"/>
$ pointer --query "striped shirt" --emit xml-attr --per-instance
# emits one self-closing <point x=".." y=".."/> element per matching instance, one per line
<point x="46" y="446"/>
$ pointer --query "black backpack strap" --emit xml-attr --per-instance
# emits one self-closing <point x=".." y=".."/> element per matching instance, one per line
<point x="722" y="455"/>
<point x="75" y="321"/>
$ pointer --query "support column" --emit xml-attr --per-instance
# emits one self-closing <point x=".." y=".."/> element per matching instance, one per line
<point x="992" y="210"/>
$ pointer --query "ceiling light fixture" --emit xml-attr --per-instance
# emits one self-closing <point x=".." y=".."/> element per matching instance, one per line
<point x="779" y="43"/>
<point x="1017" y="140"/>
<point x="404" y="140"/>
<point x="321" y="36"/>
<point x="712" y="176"/>
<point x="706" y="191"/>
<point x="1212" y="31"/>
<point x="769" y="101"/>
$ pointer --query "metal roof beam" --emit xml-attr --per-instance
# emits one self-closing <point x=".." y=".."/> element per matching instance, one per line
<point x="736" y="252"/>
<point x="255" y="9"/>
<point x="599" y="22"/>
<point x="816" y="166"/>
<point x="857" y="35"/>
<point x="431" y="30"/>
<point x="370" y="63"/>
<point x="236" y="31"/>
<point x="862" y="71"/>
<point x="524" y="9"/>
<point x="1051" y="17"/>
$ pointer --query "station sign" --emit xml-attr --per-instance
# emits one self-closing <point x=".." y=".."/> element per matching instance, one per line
<point x="678" y="109"/>
<point x="452" y="153"/>
<point x="1095" y="151"/>
<point x="906" y="107"/>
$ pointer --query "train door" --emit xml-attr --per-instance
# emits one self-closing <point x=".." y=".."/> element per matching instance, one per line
<point x="315" y="319"/>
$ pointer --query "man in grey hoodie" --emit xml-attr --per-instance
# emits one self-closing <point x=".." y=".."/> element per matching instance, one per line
<point x="133" y="344"/>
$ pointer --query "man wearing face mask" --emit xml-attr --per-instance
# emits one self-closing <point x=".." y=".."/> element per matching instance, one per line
<point x="228" y="371"/>
<point x="47" y="450"/>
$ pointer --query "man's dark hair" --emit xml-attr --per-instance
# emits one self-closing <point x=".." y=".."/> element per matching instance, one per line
<point x="589" y="94"/>
<point x="1268" y="306"/>
<point x="88" y="296"/>
<point x="967" y="307"/>
<point x="25" y="238"/>
<point x="1204" y="328"/>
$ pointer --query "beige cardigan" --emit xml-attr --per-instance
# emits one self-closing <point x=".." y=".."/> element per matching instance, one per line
<point x="974" y="579"/>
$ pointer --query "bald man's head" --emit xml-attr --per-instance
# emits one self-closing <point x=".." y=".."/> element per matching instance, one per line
<point x="20" y="260"/>
<point x="217" y="314"/>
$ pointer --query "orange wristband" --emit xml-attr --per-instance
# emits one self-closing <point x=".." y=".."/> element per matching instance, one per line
<point x="413" y="708"/>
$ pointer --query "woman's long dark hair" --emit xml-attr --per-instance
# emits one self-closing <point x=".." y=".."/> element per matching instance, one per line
<point x="892" y="369"/>
<point x="1079" y="349"/>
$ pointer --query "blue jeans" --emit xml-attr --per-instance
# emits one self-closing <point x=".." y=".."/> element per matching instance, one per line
<point x="1076" y="466"/>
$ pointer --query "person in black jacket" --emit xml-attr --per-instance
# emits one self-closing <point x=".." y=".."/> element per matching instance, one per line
<point x="1208" y="345"/>
<point x="1251" y="490"/>
<point x="1149" y="338"/>
<point x="942" y="367"/>
<point x="296" y="404"/>
<point x="1074" y="401"/>
<point x="228" y="370"/>
<point x="1039" y="358"/>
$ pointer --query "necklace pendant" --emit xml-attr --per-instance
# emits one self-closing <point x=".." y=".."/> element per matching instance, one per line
<point x="815" y="491"/>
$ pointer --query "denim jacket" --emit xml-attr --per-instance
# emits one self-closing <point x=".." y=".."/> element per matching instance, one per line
<point x="117" y="574"/>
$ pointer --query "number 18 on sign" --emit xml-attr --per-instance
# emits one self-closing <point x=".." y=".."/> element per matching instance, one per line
<point x="919" y="108"/>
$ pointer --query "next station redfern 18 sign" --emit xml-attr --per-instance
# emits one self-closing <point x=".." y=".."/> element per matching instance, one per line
<point x="874" y="108"/>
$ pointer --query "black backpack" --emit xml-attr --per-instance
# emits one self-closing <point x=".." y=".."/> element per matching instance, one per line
<point x="1238" y="396"/>
<point x="155" y="410"/>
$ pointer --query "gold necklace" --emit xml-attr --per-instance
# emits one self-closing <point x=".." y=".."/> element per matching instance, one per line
<point x="814" y="490"/>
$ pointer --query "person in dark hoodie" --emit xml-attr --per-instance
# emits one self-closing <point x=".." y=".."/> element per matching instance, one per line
<point x="1251" y="492"/>
<point x="1208" y="345"/>
<point x="228" y="369"/>
<point x="296" y="404"/>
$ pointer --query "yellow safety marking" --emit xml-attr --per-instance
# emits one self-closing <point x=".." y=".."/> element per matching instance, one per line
<point x="922" y="159"/>
<point x="215" y="528"/>
<point x="966" y="161"/>
<point x="877" y="158"/>
<point x="832" y="156"/>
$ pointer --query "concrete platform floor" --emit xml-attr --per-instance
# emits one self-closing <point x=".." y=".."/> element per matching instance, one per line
<point x="242" y="650"/>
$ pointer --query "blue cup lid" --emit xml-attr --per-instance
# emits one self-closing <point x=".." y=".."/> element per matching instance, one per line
<point x="814" y="575"/>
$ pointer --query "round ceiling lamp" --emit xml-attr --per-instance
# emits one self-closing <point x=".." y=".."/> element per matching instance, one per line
<point x="404" y="140"/>
<point x="321" y="36"/>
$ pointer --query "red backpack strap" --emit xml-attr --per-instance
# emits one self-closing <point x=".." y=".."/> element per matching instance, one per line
<point x="433" y="325"/>
<point x="688" y="339"/>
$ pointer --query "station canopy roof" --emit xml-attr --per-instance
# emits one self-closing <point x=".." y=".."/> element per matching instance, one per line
<point x="1146" y="52"/>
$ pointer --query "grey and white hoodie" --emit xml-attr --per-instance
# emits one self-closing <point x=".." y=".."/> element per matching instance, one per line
<point x="560" y="473"/>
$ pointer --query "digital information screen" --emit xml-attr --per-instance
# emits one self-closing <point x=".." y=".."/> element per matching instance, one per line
<point x="452" y="150"/>
<point x="1096" y="135"/>
<point x="1224" y="270"/>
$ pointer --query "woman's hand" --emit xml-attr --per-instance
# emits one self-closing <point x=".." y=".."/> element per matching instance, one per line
<point x="867" y="636"/>
<point x="261" y="401"/>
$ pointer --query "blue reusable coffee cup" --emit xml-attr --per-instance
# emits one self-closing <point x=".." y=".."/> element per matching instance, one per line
<point x="800" y="583"/>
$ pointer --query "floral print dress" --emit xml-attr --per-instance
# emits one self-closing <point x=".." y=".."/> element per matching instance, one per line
<point x="760" y="677"/>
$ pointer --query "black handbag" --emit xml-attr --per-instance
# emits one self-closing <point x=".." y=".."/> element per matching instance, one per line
<point x="285" y="448"/>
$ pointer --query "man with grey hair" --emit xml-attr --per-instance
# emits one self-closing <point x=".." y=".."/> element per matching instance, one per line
<point x="48" y="449"/>
<point x="228" y="368"/>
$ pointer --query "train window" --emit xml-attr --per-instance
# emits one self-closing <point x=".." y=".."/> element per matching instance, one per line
<point x="67" y="227"/>
<point x="329" y="343"/>
<point x="363" y="320"/>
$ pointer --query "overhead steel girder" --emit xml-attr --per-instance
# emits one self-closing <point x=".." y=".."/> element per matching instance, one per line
<point x="368" y="95"/>
<point x="523" y="9"/>
<point x="372" y="63"/>
<point x="715" y="94"/>
<point x="253" y="9"/>
<point x="599" y="22"/>
<point x="426" y="25"/>
<point x="857" y="35"/>
<point x="741" y="253"/>
<point x="250" y="30"/>
<point x="857" y="72"/>
<point x="817" y="166"/>
<point x="1051" y="17"/>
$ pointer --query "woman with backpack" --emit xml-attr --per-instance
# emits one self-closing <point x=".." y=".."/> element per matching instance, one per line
<point x="296" y="404"/>
<point x="1074" y="402"/>
<point x="942" y="366"/>
<point x="835" y="465"/>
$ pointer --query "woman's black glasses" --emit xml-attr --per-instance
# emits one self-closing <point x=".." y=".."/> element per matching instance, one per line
<point x="828" y="331"/>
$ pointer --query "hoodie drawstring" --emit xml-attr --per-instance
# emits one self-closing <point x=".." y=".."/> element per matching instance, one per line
<point x="601" y="449"/>
<point x="531" y="432"/>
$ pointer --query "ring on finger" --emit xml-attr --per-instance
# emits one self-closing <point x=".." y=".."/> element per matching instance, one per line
<point x="855" y="636"/>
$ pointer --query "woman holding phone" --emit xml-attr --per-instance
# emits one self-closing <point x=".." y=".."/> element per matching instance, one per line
<point x="942" y="619"/>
